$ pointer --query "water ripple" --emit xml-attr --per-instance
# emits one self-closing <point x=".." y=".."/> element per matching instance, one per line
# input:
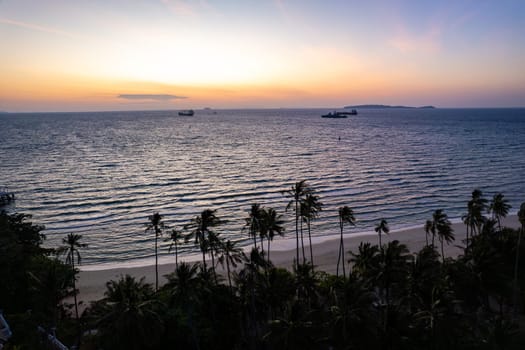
<point x="102" y="174"/>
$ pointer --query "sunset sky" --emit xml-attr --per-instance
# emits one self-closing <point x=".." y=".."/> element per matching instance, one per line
<point x="64" y="55"/>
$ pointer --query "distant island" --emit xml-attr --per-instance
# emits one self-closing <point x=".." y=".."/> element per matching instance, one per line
<point x="386" y="106"/>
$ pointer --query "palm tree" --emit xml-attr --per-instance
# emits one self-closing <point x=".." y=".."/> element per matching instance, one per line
<point x="474" y="218"/>
<point x="51" y="283"/>
<point x="521" y="217"/>
<point x="182" y="286"/>
<point x="183" y="282"/>
<point x="175" y="237"/>
<point x="272" y="224"/>
<point x="468" y="220"/>
<point x="231" y="255"/>
<point x="71" y="248"/>
<point x="129" y="319"/>
<point x="479" y="206"/>
<point x="366" y="262"/>
<point x="439" y="225"/>
<point x="310" y="208"/>
<point x="156" y="225"/>
<point x="499" y="208"/>
<point x="382" y="227"/>
<point x="297" y="192"/>
<point x="205" y="238"/>
<point x="444" y="230"/>
<point x="345" y="215"/>
<point x="428" y="229"/>
<point x="253" y="222"/>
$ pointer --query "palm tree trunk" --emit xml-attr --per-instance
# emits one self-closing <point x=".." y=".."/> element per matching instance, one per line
<point x="176" y="256"/>
<point x="228" y="271"/>
<point x="156" y="263"/>
<point x="302" y="243"/>
<point x="268" y="249"/>
<point x="516" y="294"/>
<point x="379" y="234"/>
<point x="254" y="235"/>
<point x="213" y="265"/>
<point x="442" y="251"/>
<point x="297" y="230"/>
<point x="467" y="234"/>
<point x="341" y="251"/>
<point x="203" y="259"/>
<point x="339" y="255"/>
<point x="75" y="296"/>
<point x="311" y="248"/>
<point x="74" y="286"/>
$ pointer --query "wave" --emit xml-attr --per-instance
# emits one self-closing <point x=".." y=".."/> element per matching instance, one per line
<point x="103" y="174"/>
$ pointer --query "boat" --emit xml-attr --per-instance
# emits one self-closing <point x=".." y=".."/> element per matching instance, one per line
<point x="336" y="114"/>
<point x="187" y="113"/>
<point x="352" y="112"/>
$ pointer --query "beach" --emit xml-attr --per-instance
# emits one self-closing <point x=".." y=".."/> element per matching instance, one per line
<point x="92" y="284"/>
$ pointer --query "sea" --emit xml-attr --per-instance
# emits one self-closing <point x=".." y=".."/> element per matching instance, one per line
<point x="102" y="174"/>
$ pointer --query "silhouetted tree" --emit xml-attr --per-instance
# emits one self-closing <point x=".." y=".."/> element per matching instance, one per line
<point x="272" y="224"/>
<point x="474" y="218"/>
<point x="499" y="207"/>
<point x="345" y="215"/>
<point x="382" y="227"/>
<point x="479" y="206"/>
<point x="521" y="217"/>
<point x="156" y="225"/>
<point x="175" y="237"/>
<point x="206" y="239"/>
<point x="297" y="192"/>
<point x="71" y="248"/>
<point x="444" y="230"/>
<point x="439" y="222"/>
<point x="253" y="222"/>
<point x="310" y="208"/>
<point x="231" y="255"/>
<point x="127" y="317"/>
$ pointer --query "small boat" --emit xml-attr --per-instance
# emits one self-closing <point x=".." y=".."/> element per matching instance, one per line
<point x="187" y="113"/>
<point x="335" y="114"/>
<point x="352" y="112"/>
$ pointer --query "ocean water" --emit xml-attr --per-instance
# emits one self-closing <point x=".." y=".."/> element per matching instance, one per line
<point x="102" y="174"/>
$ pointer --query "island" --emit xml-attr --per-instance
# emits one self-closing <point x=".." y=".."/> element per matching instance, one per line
<point x="378" y="106"/>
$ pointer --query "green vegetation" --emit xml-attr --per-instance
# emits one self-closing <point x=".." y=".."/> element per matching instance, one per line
<point x="385" y="298"/>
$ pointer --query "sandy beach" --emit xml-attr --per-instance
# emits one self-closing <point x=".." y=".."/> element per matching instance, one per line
<point x="92" y="284"/>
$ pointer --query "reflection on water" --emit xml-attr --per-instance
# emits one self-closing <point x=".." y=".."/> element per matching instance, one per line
<point x="102" y="174"/>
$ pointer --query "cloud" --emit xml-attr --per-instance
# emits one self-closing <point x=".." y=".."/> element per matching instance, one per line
<point x="36" y="27"/>
<point x="150" y="97"/>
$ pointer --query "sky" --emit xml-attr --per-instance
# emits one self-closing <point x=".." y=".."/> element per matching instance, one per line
<point x="64" y="55"/>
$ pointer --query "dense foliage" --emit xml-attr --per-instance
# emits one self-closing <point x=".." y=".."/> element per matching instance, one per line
<point x="34" y="283"/>
<point x="385" y="298"/>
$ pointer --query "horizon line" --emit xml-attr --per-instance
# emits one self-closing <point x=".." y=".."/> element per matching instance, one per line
<point x="252" y="108"/>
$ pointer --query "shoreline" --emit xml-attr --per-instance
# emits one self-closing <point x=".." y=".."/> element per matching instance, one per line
<point x="92" y="283"/>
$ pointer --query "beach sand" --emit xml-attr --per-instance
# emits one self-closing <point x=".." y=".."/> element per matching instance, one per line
<point x="92" y="284"/>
